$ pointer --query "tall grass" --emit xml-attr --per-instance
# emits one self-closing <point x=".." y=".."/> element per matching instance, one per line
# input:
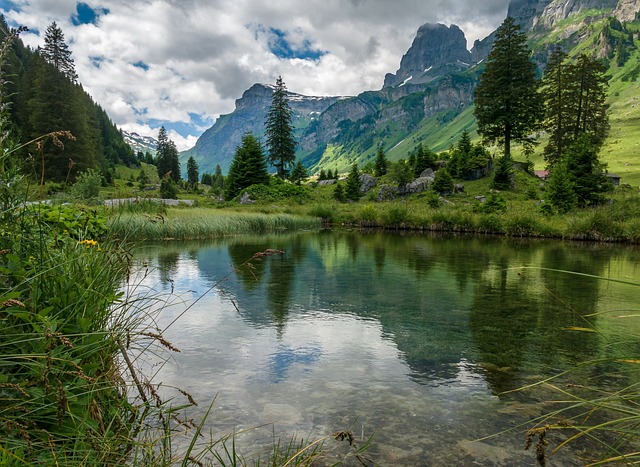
<point x="202" y="223"/>
<point x="608" y="417"/>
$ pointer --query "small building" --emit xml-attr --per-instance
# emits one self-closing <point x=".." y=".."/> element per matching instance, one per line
<point x="615" y="179"/>
<point x="542" y="174"/>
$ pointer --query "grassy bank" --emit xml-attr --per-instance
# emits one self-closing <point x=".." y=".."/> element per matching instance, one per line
<point x="201" y="223"/>
<point x="615" y="222"/>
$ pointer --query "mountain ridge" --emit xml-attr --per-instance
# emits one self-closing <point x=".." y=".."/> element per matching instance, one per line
<point x="427" y="100"/>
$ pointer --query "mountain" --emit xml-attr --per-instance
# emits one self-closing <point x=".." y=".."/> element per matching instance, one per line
<point x="429" y="98"/>
<point x="140" y="143"/>
<point x="217" y="145"/>
<point x="436" y="50"/>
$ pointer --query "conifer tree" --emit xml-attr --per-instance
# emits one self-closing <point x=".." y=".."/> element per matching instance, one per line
<point x="57" y="53"/>
<point x="281" y="143"/>
<point x="587" y="97"/>
<point x="381" y="165"/>
<point x="298" y="173"/>
<point x="249" y="167"/>
<point x="167" y="161"/>
<point x="192" y="172"/>
<point x="503" y="176"/>
<point x="352" y="190"/>
<point x="507" y="105"/>
<point x="560" y="189"/>
<point x="442" y="182"/>
<point x="554" y="93"/>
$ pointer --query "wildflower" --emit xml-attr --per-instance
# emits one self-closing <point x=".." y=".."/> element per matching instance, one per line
<point x="88" y="243"/>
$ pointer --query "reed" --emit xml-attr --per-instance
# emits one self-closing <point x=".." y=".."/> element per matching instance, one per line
<point x="203" y="223"/>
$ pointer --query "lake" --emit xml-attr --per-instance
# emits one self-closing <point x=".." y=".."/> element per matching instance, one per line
<point x="418" y="340"/>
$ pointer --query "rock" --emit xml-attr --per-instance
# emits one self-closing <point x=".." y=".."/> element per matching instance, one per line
<point x="387" y="193"/>
<point x="481" y="198"/>
<point x="429" y="173"/>
<point x="485" y="454"/>
<point x="418" y="185"/>
<point x="326" y="182"/>
<point x="367" y="182"/>
<point x="246" y="199"/>
<point x="446" y="201"/>
<point x="458" y="188"/>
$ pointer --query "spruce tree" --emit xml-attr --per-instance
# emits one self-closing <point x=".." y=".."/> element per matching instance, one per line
<point x="249" y="167"/>
<point x="560" y="189"/>
<point x="381" y="165"/>
<point x="507" y="105"/>
<point x="57" y="53"/>
<point x="587" y="96"/>
<point x="167" y="157"/>
<point x="298" y="173"/>
<point x="192" y="172"/>
<point x="281" y="143"/>
<point x="442" y="182"/>
<point x="586" y="172"/>
<point x="554" y="93"/>
<point x="352" y="190"/>
<point x="503" y="177"/>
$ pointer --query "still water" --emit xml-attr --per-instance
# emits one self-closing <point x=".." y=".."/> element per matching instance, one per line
<point x="416" y="340"/>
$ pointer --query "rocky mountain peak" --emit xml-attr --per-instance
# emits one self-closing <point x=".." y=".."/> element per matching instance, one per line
<point x="436" y="50"/>
<point x="627" y="10"/>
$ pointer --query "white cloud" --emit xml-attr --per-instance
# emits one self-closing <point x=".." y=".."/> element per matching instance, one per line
<point x="202" y="54"/>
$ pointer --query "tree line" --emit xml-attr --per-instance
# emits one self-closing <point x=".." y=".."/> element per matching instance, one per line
<point x="48" y="104"/>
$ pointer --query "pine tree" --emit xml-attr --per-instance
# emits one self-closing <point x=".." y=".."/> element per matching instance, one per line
<point x="442" y="182"/>
<point x="249" y="167"/>
<point x="554" y="93"/>
<point x="352" y="190"/>
<point x="57" y="53"/>
<point x="381" y="165"/>
<point x="503" y="176"/>
<point x="587" y="97"/>
<point x="298" y="173"/>
<point x="507" y="105"/>
<point x="167" y="161"/>
<point x="560" y="189"/>
<point x="192" y="172"/>
<point x="279" y="130"/>
<point x="586" y="172"/>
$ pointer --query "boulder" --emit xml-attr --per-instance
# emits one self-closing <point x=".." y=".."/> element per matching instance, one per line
<point x="387" y="192"/>
<point x="367" y="182"/>
<point x="458" y="188"/>
<point x="418" y="185"/>
<point x="246" y="199"/>
<point x="326" y="182"/>
<point x="429" y="173"/>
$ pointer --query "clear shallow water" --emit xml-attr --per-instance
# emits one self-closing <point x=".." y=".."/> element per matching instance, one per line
<point x="414" y="339"/>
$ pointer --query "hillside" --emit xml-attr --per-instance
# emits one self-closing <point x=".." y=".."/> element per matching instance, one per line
<point x="429" y="98"/>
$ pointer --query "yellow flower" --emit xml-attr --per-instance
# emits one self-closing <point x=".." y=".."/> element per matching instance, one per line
<point x="88" y="243"/>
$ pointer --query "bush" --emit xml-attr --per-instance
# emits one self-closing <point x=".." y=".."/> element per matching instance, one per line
<point x="87" y="185"/>
<point x="168" y="188"/>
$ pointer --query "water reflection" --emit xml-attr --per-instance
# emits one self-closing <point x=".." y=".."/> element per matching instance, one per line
<point x="417" y="337"/>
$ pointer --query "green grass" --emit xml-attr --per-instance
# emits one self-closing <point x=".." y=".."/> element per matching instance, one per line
<point x="201" y="223"/>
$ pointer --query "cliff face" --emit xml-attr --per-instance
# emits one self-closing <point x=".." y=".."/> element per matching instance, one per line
<point x="436" y="50"/>
<point x="559" y="10"/>
<point x="627" y="10"/>
<point x="217" y="145"/>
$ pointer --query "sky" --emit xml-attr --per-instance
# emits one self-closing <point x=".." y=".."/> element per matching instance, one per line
<point x="183" y="63"/>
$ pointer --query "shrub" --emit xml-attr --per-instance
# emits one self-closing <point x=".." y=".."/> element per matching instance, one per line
<point x="87" y="185"/>
<point x="395" y="216"/>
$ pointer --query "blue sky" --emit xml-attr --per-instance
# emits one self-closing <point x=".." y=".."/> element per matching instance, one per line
<point x="183" y="63"/>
